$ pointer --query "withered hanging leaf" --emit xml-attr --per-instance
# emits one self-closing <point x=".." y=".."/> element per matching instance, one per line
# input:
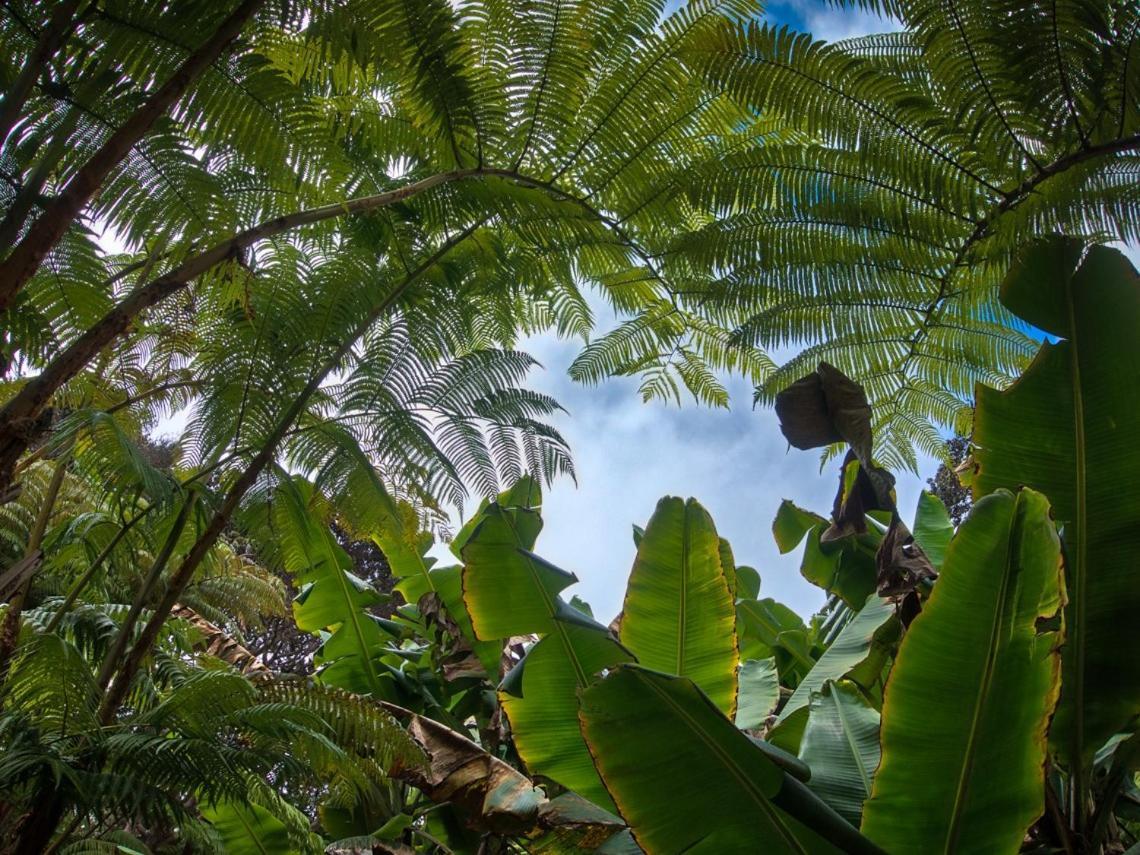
<point x="221" y="645"/>
<point x="861" y="489"/>
<point x="457" y="657"/>
<point x="902" y="564"/>
<point x="826" y="407"/>
<point x="493" y="795"/>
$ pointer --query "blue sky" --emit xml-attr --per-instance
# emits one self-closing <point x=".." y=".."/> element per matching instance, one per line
<point x="735" y="462"/>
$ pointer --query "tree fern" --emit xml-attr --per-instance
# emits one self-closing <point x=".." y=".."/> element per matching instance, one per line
<point x="928" y="157"/>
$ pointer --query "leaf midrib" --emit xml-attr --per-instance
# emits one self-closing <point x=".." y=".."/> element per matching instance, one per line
<point x="855" y="753"/>
<point x="353" y="617"/>
<point x="745" y="781"/>
<point x="580" y="675"/>
<point x="682" y="608"/>
<point x="1079" y="575"/>
<point x="966" y="773"/>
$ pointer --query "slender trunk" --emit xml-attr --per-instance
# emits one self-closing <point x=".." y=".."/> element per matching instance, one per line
<point x="118" y="689"/>
<point x="41" y="823"/>
<point x="20" y="421"/>
<point x="51" y="225"/>
<point x="58" y="28"/>
<point x="145" y="591"/>
<point x="10" y="629"/>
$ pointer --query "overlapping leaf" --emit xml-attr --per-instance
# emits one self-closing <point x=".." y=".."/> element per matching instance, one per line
<point x="972" y="690"/>
<point x="678" y="616"/>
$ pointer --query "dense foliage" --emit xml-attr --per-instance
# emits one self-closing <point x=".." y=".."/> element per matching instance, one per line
<point x="315" y="231"/>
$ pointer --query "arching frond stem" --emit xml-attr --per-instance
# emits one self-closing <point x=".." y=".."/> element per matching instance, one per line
<point x="178" y="581"/>
<point x="18" y="415"/>
<point x="961" y="27"/>
<point x="22" y="263"/>
<point x="1008" y="202"/>
<point x="59" y="27"/>
<point x="145" y="592"/>
<point x="1070" y="102"/>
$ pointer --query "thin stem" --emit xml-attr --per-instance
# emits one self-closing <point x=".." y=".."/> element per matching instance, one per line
<point x="181" y="577"/>
<point x="58" y="28"/>
<point x="145" y="591"/>
<point x="26" y="197"/>
<point x="84" y="580"/>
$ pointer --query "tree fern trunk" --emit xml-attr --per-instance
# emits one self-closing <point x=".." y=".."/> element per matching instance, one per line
<point x="10" y="629"/>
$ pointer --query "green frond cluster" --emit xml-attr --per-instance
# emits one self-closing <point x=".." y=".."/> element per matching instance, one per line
<point x="875" y="236"/>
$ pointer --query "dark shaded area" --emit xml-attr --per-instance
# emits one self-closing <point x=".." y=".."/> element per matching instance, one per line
<point x="285" y="648"/>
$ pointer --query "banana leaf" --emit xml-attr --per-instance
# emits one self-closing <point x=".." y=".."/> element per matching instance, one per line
<point x="1069" y="427"/>
<point x="932" y="527"/>
<point x="758" y="693"/>
<point x="850" y="649"/>
<point x="841" y="746"/>
<point x="508" y="589"/>
<point x="686" y="780"/>
<point x="678" y="615"/>
<point x="972" y="690"/>
<point x="544" y="716"/>
<point x="248" y="829"/>
<point x="332" y="601"/>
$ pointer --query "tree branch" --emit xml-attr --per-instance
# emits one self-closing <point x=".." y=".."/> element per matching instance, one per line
<point x="117" y="691"/>
<point x="50" y="227"/>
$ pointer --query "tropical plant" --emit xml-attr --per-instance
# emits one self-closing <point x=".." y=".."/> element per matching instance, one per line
<point x="316" y="230"/>
<point x="876" y="239"/>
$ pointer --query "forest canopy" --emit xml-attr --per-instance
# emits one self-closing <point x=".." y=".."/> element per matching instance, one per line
<point x="320" y="230"/>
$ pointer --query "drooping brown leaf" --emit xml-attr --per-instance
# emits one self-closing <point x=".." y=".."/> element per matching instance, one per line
<point x="493" y="795"/>
<point x="902" y="565"/>
<point x="826" y="407"/>
<point x="219" y="644"/>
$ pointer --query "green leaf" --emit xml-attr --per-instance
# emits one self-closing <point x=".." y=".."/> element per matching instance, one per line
<point x="544" y="720"/>
<point x="759" y="624"/>
<point x="393" y="526"/>
<point x="758" y="693"/>
<point x="331" y="601"/>
<point x="747" y="582"/>
<point x="972" y="690"/>
<point x="849" y="649"/>
<point x="791" y="524"/>
<point x="581" y="605"/>
<point x="509" y="590"/>
<point x="448" y="582"/>
<point x="841" y="745"/>
<point x="678" y="615"/>
<point x="932" y="527"/>
<point x="248" y="829"/>
<point x="844" y="567"/>
<point x="686" y="780"/>
<point x="525" y="493"/>
<point x="1069" y="429"/>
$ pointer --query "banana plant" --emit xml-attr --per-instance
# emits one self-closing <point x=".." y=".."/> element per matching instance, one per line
<point x="1068" y="428"/>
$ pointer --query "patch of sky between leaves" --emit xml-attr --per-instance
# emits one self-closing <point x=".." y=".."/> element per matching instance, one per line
<point x="629" y="454"/>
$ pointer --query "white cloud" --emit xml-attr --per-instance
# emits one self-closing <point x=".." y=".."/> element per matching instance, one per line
<point x="827" y="22"/>
<point x="629" y="454"/>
